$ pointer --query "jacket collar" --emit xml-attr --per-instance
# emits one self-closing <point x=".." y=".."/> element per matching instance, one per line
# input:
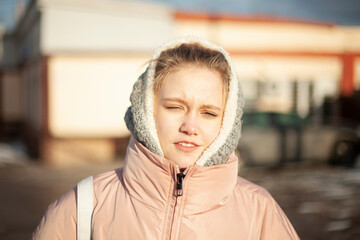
<point x="151" y="179"/>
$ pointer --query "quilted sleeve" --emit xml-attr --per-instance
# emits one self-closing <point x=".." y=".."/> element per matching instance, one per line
<point x="59" y="220"/>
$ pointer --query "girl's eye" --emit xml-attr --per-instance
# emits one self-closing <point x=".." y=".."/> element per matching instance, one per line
<point x="210" y="114"/>
<point x="172" y="107"/>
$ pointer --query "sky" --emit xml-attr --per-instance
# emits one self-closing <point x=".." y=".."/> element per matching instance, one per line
<point x="7" y="9"/>
<point x="343" y="12"/>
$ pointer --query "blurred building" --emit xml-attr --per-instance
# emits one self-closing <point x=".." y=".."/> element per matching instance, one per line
<point x="68" y="68"/>
<point x="274" y="56"/>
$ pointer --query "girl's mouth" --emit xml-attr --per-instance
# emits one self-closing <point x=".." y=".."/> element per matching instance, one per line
<point x="186" y="146"/>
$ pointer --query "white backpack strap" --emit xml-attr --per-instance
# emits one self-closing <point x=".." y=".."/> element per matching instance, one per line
<point x="85" y="207"/>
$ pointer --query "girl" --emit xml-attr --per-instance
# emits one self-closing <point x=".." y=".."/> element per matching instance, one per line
<point x="180" y="178"/>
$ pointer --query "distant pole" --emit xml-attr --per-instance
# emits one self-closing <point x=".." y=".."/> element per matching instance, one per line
<point x="259" y="88"/>
<point x="311" y="98"/>
<point x="294" y="96"/>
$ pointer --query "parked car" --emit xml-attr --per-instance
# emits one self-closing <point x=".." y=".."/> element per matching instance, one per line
<point x="271" y="139"/>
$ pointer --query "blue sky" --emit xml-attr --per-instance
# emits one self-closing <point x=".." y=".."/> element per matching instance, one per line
<point x="6" y="9"/>
<point x="7" y="17"/>
<point x="344" y="12"/>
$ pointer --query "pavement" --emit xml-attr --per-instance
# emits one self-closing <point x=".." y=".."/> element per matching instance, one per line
<point x="322" y="202"/>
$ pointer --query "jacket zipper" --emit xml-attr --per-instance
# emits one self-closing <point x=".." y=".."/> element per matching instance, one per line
<point x="179" y="184"/>
<point x="180" y="175"/>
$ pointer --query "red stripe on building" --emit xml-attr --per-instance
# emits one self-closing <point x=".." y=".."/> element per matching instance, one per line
<point x="348" y="75"/>
<point x="203" y="16"/>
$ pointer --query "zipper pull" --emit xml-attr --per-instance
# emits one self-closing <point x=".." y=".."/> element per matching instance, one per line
<point x="179" y="183"/>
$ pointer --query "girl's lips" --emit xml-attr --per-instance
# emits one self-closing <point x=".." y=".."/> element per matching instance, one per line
<point x="186" y="146"/>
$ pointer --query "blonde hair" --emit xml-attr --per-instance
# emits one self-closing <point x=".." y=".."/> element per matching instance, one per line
<point x="192" y="54"/>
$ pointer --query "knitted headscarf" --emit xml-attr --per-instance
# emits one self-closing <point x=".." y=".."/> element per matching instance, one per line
<point x="140" y="121"/>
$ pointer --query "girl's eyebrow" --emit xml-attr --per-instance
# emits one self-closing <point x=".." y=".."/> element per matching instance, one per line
<point x="204" y="106"/>
<point x="174" y="99"/>
<point x="209" y="106"/>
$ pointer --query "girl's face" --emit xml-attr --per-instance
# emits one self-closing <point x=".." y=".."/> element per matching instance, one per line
<point x="188" y="113"/>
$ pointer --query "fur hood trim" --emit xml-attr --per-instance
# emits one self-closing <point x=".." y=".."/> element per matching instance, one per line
<point x="140" y="121"/>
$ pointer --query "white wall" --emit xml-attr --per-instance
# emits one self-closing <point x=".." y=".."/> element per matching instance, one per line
<point x="287" y="68"/>
<point x="278" y="73"/>
<point x="106" y="26"/>
<point x="88" y="96"/>
<point x="280" y="37"/>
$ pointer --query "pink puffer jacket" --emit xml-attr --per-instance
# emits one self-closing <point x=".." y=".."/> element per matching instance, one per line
<point x="138" y="201"/>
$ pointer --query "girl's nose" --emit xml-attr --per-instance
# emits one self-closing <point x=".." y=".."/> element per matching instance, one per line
<point x="190" y="126"/>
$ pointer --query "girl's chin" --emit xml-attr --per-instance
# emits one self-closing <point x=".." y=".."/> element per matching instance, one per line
<point x="184" y="162"/>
